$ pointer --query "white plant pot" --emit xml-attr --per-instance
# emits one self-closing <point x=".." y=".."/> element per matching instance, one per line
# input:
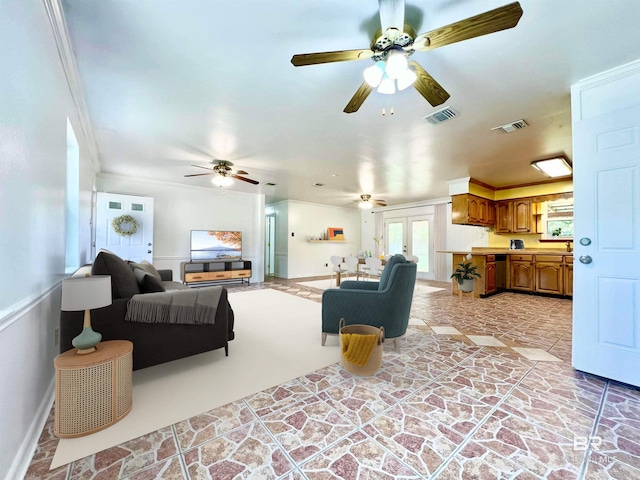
<point x="467" y="285"/>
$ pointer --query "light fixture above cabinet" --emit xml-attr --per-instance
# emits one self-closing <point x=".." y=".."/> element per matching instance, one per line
<point x="553" y="167"/>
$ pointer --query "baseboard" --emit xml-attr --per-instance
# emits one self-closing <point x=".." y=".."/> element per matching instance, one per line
<point x="23" y="457"/>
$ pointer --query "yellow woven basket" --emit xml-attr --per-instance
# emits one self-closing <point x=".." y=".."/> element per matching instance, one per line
<point x="375" y="359"/>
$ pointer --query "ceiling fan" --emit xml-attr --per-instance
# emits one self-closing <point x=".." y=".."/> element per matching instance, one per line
<point x="366" y="202"/>
<point x="224" y="173"/>
<point x="396" y="41"/>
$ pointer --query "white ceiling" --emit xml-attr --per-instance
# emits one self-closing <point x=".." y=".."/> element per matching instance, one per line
<point x="170" y="84"/>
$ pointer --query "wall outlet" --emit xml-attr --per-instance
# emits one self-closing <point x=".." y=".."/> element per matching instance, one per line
<point x="56" y="336"/>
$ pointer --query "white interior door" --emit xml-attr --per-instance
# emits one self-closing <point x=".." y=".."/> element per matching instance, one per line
<point x="606" y="301"/>
<point x="136" y="247"/>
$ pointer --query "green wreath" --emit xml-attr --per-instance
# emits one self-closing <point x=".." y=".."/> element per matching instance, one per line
<point x="125" y="225"/>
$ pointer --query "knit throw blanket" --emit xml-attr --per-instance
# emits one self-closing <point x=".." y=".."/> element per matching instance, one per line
<point x="194" y="306"/>
<point x="357" y="348"/>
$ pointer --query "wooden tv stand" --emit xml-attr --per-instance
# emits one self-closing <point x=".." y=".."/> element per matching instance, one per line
<point x="202" y="272"/>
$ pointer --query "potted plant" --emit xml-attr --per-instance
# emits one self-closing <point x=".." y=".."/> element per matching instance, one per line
<point x="465" y="274"/>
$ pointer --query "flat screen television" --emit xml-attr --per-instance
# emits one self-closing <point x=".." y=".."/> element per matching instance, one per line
<point x="215" y="245"/>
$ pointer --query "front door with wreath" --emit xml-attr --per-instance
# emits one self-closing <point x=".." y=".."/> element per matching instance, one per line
<point x="124" y="226"/>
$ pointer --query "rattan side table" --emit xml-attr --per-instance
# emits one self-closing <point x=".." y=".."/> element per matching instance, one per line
<point x="93" y="391"/>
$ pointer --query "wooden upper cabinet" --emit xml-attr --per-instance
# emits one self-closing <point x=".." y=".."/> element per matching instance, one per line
<point x="522" y="216"/>
<point x="503" y="216"/>
<point x="473" y="209"/>
<point x="515" y="216"/>
<point x="468" y="209"/>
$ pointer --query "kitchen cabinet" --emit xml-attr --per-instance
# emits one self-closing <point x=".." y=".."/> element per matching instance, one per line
<point x="521" y="272"/>
<point x="490" y="274"/>
<point x="550" y="272"/>
<point x="469" y="209"/>
<point x="515" y="216"/>
<point x="568" y="275"/>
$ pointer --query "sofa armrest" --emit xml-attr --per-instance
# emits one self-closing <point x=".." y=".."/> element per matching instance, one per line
<point x="166" y="275"/>
<point x="355" y="285"/>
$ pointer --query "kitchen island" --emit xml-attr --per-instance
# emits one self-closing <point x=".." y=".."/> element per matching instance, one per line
<point x="535" y="271"/>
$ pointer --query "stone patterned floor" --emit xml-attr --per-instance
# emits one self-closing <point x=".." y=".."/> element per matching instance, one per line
<point x="447" y="406"/>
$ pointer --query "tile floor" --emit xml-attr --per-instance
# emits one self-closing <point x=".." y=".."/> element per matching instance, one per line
<point x="488" y="392"/>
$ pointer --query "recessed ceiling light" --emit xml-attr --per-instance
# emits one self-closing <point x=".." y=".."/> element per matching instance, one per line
<point x="553" y="167"/>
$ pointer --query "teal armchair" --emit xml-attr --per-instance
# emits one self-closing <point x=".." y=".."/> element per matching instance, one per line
<point x="386" y="303"/>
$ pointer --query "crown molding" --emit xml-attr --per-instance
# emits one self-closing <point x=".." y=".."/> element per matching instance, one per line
<point x="67" y="60"/>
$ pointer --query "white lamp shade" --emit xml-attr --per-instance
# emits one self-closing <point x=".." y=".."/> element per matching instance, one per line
<point x="406" y="79"/>
<point x="397" y="64"/>
<point x="387" y="86"/>
<point x="373" y="74"/>
<point x="86" y="293"/>
<point x="366" y="204"/>
<point x="221" y="181"/>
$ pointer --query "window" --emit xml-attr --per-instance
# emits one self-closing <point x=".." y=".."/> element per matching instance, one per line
<point x="557" y="220"/>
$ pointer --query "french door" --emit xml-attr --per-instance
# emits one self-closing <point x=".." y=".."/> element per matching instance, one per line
<point x="412" y="236"/>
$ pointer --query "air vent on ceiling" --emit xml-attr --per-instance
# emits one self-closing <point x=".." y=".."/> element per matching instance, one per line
<point x="441" y="115"/>
<point x="511" y="127"/>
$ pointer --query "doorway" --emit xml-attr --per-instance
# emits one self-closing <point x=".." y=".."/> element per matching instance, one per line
<point x="137" y="246"/>
<point x="412" y="235"/>
<point x="270" y="244"/>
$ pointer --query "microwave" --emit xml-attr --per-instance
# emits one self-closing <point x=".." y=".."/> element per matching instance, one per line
<point x="516" y="244"/>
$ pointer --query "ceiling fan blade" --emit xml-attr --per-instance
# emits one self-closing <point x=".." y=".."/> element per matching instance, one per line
<point x="358" y="98"/>
<point x="428" y="87"/>
<point x="198" y="174"/>
<point x="492" y="21"/>
<point x="241" y="172"/>
<point x="380" y="203"/>
<point x="391" y="14"/>
<point x="200" y="166"/>
<point x="303" y="59"/>
<point x="248" y="180"/>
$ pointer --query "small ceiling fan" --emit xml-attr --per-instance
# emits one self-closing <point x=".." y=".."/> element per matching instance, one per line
<point x="396" y="41"/>
<point x="366" y="202"/>
<point x="224" y="173"/>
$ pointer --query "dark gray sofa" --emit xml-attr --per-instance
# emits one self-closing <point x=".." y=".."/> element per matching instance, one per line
<point x="153" y="343"/>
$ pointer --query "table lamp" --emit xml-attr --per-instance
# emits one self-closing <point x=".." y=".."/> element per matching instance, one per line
<point x="85" y="293"/>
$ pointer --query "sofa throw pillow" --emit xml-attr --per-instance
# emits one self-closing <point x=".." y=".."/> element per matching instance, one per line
<point x="147" y="282"/>
<point x="147" y="267"/>
<point x="123" y="281"/>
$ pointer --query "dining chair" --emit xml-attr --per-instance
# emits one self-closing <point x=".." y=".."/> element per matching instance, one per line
<point x="352" y="266"/>
<point x="336" y="261"/>
<point x="373" y="266"/>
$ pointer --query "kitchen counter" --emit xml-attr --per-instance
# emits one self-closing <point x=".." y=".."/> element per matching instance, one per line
<point x="546" y="271"/>
<point x="507" y="251"/>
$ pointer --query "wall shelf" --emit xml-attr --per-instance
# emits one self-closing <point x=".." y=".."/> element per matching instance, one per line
<point x="326" y="241"/>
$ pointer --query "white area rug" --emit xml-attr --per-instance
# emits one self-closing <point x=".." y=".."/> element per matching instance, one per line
<point x="277" y="338"/>
<point x="324" y="284"/>
<point x="320" y="284"/>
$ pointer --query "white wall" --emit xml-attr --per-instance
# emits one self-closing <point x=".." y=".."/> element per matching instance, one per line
<point x="35" y="102"/>
<point x="296" y="222"/>
<point x="178" y="209"/>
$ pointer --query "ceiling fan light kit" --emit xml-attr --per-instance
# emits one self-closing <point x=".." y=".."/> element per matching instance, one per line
<point x="221" y="181"/>
<point x="397" y="41"/>
<point x="223" y="174"/>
